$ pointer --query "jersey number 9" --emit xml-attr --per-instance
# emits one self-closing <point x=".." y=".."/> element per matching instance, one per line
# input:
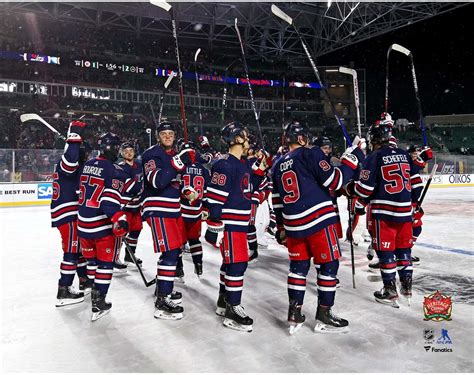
<point x="290" y="185"/>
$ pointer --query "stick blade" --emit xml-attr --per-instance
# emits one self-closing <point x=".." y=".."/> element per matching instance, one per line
<point x="29" y="116"/>
<point x="399" y="48"/>
<point x="344" y="70"/>
<point x="196" y="54"/>
<point x="280" y="14"/>
<point x="168" y="81"/>
<point x="162" y="4"/>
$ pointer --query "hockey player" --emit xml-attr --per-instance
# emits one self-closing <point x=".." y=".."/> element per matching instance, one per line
<point x="306" y="219"/>
<point x="64" y="206"/>
<point x="228" y="202"/>
<point x="132" y="195"/>
<point x="101" y="221"/>
<point x="194" y="181"/>
<point x="162" y="168"/>
<point x="386" y="181"/>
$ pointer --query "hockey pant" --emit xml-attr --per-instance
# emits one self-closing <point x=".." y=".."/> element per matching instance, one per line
<point x="232" y="282"/>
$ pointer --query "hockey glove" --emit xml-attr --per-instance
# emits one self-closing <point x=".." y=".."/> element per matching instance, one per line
<point x="186" y="156"/>
<point x="204" y="214"/>
<point x="280" y="235"/>
<point x="120" y="224"/>
<point x="214" y="233"/>
<point x="203" y="142"/>
<point x="417" y="215"/>
<point x="207" y="157"/>
<point x="189" y="193"/>
<point x="359" y="208"/>
<point x="75" y="131"/>
<point x="348" y="189"/>
<point x="263" y="162"/>
<point x="426" y="154"/>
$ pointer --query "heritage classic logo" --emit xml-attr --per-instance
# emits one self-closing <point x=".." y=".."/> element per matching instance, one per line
<point x="437" y="307"/>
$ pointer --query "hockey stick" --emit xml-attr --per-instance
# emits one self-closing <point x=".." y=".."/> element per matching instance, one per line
<point x="167" y="7"/>
<point x="162" y="99"/>
<point x="139" y="267"/>
<point x="224" y="95"/>
<point x="285" y="17"/>
<point x="249" y="84"/>
<point x="407" y="52"/>
<point x="197" y="87"/>
<point x="33" y="116"/>
<point x="428" y="183"/>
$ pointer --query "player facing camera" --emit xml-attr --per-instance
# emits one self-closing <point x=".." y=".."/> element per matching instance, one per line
<point x="166" y="134"/>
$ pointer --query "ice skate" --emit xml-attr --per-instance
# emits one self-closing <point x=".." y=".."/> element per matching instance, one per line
<point x="374" y="266"/>
<point x="221" y="305"/>
<point x="120" y="267"/>
<point x="327" y="322"/>
<point x="85" y="285"/>
<point x="166" y="309"/>
<point x="388" y="295"/>
<point x="128" y="260"/>
<point x="370" y="252"/>
<point x="68" y="296"/>
<point x="176" y="297"/>
<point x="253" y="256"/>
<point x="236" y="318"/>
<point x="405" y="289"/>
<point x="99" y="306"/>
<point x="198" y="269"/>
<point x="295" y="317"/>
<point x="179" y="276"/>
<point x="415" y="261"/>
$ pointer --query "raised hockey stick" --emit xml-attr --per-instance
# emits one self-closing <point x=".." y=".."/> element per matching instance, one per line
<point x="407" y="52"/>
<point x="285" y="17"/>
<point x="163" y="95"/>
<point x="427" y="185"/>
<point x="197" y="88"/>
<point x="33" y="116"/>
<point x="132" y="255"/>
<point x="246" y="69"/>
<point x="224" y="95"/>
<point x="167" y="7"/>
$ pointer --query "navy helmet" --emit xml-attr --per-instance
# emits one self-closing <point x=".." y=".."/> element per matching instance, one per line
<point x="321" y="141"/>
<point x="293" y="130"/>
<point x="165" y="125"/>
<point x="231" y="131"/>
<point x="109" y="144"/>
<point x="379" y="133"/>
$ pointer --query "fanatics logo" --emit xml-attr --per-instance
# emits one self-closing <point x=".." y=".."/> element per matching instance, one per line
<point x="437" y="307"/>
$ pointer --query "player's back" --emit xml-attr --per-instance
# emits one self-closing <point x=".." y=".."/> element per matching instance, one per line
<point x="196" y="176"/>
<point x="301" y="191"/>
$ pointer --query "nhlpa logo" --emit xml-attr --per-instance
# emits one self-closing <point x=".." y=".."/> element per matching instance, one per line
<point x="444" y="338"/>
<point x="45" y="191"/>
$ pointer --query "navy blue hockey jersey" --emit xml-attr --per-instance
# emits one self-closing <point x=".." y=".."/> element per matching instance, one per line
<point x="385" y="181"/>
<point x="161" y="194"/>
<point x="100" y="197"/>
<point x="302" y="180"/>
<point x="66" y="175"/>
<point x="229" y="193"/>
<point x="197" y="177"/>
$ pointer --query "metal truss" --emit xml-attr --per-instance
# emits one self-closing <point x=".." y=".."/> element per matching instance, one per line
<point x="210" y="24"/>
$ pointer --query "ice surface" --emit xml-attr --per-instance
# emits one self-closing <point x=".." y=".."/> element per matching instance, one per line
<point x="38" y="337"/>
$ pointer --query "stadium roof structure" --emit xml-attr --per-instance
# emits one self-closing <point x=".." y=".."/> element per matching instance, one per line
<point x="211" y="24"/>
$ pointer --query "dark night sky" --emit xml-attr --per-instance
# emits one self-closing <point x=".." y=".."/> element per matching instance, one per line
<point x="442" y="47"/>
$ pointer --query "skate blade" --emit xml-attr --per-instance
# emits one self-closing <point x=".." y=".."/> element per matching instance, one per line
<point x="120" y="271"/>
<point x="238" y="327"/>
<point x="86" y="291"/>
<point x="324" y="328"/>
<point x="97" y="315"/>
<point x="392" y="303"/>
<point x="408" y="299"/>
<point x="165" y="316"/>
<point x="68" y="302"/>
<point x="294" y="327"/>
<point x="220" y="311"/>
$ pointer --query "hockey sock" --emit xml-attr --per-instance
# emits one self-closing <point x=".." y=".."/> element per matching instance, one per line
<point x="82" y="267"/>
<point x="252" y="238"/>
<point x="388" y="265"/>
<point x="196" y="250"/>
<point x="132" y="239"/>
<point x="91" y="268"/>
<point x="327" y="280"/>
<point x="167" y="271"/>
<point x="404" y="265"/>
<point x="222" y="279"/>
<point x="103" y="276"/>
<point x="68" y="268"/>
<point x="297" y="280"/>
<point x="234" y="282"/>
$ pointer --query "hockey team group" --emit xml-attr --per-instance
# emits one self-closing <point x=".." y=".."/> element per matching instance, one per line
<point x="99" y="206"/>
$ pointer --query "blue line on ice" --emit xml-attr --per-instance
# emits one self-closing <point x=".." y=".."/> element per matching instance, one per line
<point x="443" y="248"/>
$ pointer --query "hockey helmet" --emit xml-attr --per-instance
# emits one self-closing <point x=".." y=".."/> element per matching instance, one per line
<point x="126" y="145"/>
<point x="233" y="130"/>
<point x="379" y="134"/>
<point x="109" y="144"/>
<point x="321" y="141"/>
<point x="165" y="125"/>
<point x="413" y="148"/>
<point x="293" y="130"/>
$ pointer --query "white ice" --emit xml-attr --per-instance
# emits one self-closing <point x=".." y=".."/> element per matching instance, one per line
<point x="38" y="337"/>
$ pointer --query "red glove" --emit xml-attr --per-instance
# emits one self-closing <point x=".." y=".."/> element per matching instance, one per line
<point x="417" y="215"/>
<point x="74" y="133"/>
<point x="189" y="193"/>
<point x="203" y="141"/>
<point x="214" y="233"/>
<point x="186" y="156"/>
<point x="426" y="153"/>
<point x="120" y="224"/>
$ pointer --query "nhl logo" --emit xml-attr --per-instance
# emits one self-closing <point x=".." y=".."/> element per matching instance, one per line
<point x="428" y="335"/>
<point x="437" y="307"/>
